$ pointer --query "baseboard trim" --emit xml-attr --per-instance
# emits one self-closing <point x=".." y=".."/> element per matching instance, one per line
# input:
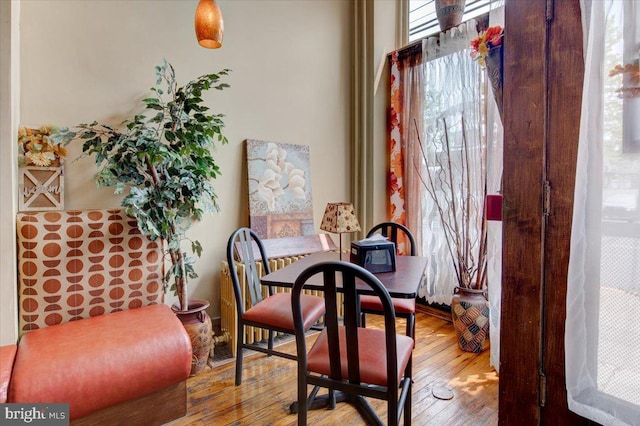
<point x="434" y="312"/>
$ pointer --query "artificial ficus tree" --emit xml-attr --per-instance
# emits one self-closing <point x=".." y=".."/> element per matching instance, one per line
<point x="162" y="161"/>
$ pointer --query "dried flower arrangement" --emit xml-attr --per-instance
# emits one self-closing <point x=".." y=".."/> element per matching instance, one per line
<point x="36" y="147"/>
<point x="482" y="44"/>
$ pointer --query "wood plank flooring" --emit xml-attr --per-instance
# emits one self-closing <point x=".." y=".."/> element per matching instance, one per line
<point x="269" y="386"/>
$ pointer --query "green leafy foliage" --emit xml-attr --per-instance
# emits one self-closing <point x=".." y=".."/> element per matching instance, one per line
<point x="162" y="160"/>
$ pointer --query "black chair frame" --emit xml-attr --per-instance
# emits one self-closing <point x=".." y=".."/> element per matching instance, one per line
<point x="351" y="390"/>
<point x="245" y="236"/>
<point x="390" y="230"/>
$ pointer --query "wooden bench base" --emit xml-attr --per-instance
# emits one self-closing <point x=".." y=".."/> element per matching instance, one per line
<point x="157" y="408"/>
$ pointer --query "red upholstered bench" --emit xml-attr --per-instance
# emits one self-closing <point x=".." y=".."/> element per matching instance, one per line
<point x="7" y="355"/>
<point x="94" y="331"/>
<point x="96" y="363"/>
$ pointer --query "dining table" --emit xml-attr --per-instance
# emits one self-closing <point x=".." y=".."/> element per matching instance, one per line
<point x="401" y="283"/>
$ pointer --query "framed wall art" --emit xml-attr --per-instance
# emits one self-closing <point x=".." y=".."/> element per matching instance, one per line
<point x="280" y="203"/>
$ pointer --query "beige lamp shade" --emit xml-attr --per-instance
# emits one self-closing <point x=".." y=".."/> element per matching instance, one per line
<point x="339" y="218"/>
<point x="209" y="24"/>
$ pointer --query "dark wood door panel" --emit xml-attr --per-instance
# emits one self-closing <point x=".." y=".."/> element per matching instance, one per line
<point x="542" y="96"/>
<point x="524" y="135"/>
<point x="565" y="76"/>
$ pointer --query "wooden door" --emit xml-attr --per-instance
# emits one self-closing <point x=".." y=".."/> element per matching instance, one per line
<point x="542" y="96"/>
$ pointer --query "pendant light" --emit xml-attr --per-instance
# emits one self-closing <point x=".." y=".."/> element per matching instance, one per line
<point x="209" y="24"/>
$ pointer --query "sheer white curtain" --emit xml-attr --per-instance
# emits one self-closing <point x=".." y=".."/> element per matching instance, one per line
<point x="602" y="339"/>
<point x="455" y="87"/>
<point x="453" y="95"/>
<point x="494" y="186"/>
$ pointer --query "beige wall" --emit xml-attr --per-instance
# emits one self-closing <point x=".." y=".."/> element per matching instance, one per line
<point x="384" y="42"/>
<point x="9" y="108"/>
<point x="290" y="60"/>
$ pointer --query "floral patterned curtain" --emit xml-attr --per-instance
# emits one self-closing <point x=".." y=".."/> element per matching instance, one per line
<point x="405" y="108"/>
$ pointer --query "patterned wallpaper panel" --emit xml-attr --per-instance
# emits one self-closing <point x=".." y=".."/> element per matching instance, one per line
<point x="80" y="264"/>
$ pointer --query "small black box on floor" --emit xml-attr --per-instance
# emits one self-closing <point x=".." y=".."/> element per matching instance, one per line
<point x="375" y="255"/>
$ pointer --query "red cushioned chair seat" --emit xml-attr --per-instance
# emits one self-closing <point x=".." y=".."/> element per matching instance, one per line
<point x="401" y="306"/>
<point x="275" y="311"/>
<point x="372" y="355"/>
<point x="98" y="362"/>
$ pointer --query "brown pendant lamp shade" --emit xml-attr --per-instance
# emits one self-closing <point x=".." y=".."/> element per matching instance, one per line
<point x="209" y="24"/>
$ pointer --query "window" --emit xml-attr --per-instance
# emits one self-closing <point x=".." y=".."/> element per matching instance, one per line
<point x="423" y="21"/>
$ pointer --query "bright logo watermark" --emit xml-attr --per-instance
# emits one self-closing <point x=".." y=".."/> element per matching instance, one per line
<point x="34" y="414"/>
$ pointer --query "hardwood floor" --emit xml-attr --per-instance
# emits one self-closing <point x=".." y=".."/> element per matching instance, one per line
<point x="269" y="386"/>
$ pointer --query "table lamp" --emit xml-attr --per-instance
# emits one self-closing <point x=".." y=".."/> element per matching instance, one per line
<point x="340" y="218"/>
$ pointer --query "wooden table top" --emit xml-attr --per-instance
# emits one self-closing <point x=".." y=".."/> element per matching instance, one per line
<point x="401" y="283"/>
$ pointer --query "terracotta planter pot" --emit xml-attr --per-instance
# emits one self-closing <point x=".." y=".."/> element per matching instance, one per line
<point x="449" y="13"/>
<point x="198" y="325"/>
<point x="470" y="313"/>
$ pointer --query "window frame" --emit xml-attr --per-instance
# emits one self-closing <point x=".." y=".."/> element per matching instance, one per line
<point x="425" y="23"/>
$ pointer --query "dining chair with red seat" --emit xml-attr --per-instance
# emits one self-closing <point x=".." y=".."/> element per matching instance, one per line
<point x="273" y="312"/>
<point x="352" y="362"/>
<point x="405" y="308"/>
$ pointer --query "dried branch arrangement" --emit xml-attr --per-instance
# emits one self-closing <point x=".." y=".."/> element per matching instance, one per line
<point x="455" y="178"/>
